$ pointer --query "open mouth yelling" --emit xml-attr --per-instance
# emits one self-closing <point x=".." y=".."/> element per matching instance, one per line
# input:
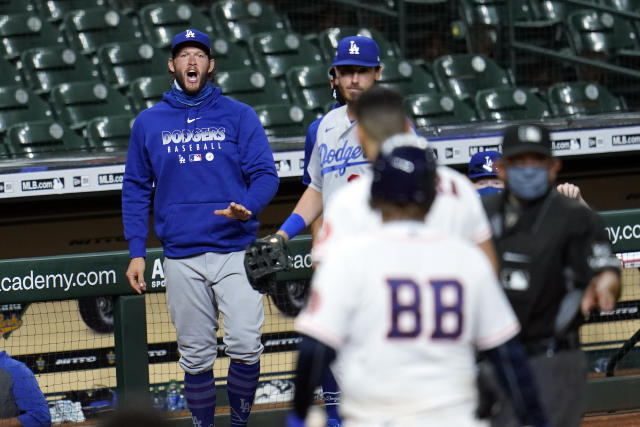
<point x="192" y="77"/>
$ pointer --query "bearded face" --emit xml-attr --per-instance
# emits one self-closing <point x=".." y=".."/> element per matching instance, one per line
<point x="191" y="67"/>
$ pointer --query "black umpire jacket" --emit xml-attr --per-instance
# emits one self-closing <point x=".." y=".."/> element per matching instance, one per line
<point x="546" y="249"/>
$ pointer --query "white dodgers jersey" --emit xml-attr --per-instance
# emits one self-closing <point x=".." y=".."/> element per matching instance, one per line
<point x="337" y="156"/>
<point x="457" y="210"/>
<point x="405" y="319"/>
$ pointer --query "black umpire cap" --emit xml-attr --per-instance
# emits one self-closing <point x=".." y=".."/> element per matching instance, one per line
<point x="526" y="138"/>
<point x="405" y="171"/>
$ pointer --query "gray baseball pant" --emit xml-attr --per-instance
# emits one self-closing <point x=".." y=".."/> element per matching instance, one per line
<point x="198" y="289"/>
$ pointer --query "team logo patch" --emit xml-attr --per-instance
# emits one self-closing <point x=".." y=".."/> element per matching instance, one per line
<point x="189" y="34"/>
<point x="354" y="49"/>
<point x="195" y="157"/>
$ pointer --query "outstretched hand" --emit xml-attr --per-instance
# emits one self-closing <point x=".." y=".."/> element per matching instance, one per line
<point x="234" y="211"/>
<point x="602" y="292"/>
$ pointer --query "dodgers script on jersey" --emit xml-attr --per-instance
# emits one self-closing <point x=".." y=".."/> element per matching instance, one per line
<point x="405" y="320"/>
<point x="337" y="157"/>
<point x="457" y="210"/>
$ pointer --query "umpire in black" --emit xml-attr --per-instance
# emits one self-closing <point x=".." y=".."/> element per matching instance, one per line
<point x="556" y="265"/>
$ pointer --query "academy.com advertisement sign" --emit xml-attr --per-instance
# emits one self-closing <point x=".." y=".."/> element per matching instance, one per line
<point x="623" y="228"/>
<point x="73" y="276"/>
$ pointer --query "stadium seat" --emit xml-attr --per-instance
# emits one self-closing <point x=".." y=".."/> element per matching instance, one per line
<point x="38" y="138"/>
<point x="229" y="56"/>
<point x="276" y="52"/>
<point x="17" y="104"/>
<point x="465" y="74"/>
<point x="10" y="74"/>
<point x="503" y="104"/>
<point x="54" y="10"/>
<point x="433" y="109"/>
<point x="132" y="7"/>
<point x="582" y="98"/>
<point x="284" y="120"/>
<point x="406" y="78"/>
<point x="161" y="21"/>
<point x="145" y="92"/>
<point x="4" y="151"/>
<point x="22" y="31"/>
<point x="45" y="67"/>
<point x="309" y="87"/>
<point x="558" y="10"/>
<point x="109" y="133"/>
<point x="121" y="63"/>
<point x="76" y="103"/>
<point x="329" y="38"/>
<point x="16" y="6"/>
<point x="594" y="33"/>
<point x="85" y="30"/>
<point x="238" y="20"/>
<point x="251" y="87"/>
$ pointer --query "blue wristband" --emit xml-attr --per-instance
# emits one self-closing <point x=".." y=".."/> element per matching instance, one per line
<point x="293" y="225"/>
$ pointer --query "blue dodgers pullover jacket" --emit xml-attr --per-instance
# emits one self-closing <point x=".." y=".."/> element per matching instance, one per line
<point x="20" y="395"/>
<point x="200" y="158"/>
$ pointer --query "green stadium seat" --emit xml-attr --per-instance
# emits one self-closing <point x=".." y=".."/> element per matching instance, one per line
<point x="9" y="72"/>
<point x="582" y="98"/>
<point x="251" y="87"/>
<point x="309" y="87"/>
<point x="145" y="92"/>
<point x="504" y="104"/>
<point x="17" y="104"/>
<point x="406" y="78"/>
<point x="22" y="31"/>
<point x="85" y="30"/>
<point x="596" y="33"/>
<point x="54" y="10"/>
<point x="16" y="6"/>
<point x="45" y="67"/>
<point x="276" y="52"/>
<point x="77" y="102"/>
<point x="329" y="38"/>
<point x="230" y="56"/>
<point x="558" y="10"/>
<point x="43" y="138"/>
<point x="464" y="74"/>
<point x="161" y="21"/>
<point x="4" y="151"/>
<point x="284" y="120"/>
<point x="109" y="133"/>
<point x="121" y="63"/>
<point x="434" y="109"/>
<point x="132" y="7"/>
<point x="238" y="20"/>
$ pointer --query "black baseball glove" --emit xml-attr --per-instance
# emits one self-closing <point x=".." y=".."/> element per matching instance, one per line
<point x="263" y="259"/>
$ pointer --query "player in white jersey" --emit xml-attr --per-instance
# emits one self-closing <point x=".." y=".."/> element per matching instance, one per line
<point x="457" y="208"/>
<point x="337" y="156"/>
<point x="404" y="319"/>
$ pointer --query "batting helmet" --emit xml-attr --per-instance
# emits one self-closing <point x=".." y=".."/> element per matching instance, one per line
<point x="405" y="171"/>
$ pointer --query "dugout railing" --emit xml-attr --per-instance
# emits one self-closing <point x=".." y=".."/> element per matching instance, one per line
<point x="130" y="335"/>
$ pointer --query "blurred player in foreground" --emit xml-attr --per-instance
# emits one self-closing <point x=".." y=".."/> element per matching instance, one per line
<point x="21" y="400"/>
<point x="212" y="167"/>
<point x="402" y="316"/>
<point x="457" y="208"/>
<point x="555" y="261"/>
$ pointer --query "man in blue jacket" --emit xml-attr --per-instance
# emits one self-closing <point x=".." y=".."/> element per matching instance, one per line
<point x="213" y="171"/>
<point x="21" y="400"/>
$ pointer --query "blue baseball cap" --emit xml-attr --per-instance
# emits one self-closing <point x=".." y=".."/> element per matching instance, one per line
<point x="191" y="36"/>
<point x="357" y="50"/>
<point x="481" y="164"/>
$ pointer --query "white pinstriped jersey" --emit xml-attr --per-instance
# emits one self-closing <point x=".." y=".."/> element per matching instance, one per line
<point x="456" y="210"/>
<point x="405" y="318"/>
<point x="337" y="157"/>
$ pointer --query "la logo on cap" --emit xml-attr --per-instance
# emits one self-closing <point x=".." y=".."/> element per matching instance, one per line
<point x="354" y="49"/>
<point x="488" y="164"/>
<point x="189" y="34"/>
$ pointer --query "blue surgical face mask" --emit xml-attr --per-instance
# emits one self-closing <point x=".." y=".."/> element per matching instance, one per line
<point x="485" y="191"/>
<point x="528" y="182"/>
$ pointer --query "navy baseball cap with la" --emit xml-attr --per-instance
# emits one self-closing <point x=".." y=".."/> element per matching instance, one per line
<point x="482" y="165"/>
<point x="357" y="50"/>
<point x="191" y="36"/>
